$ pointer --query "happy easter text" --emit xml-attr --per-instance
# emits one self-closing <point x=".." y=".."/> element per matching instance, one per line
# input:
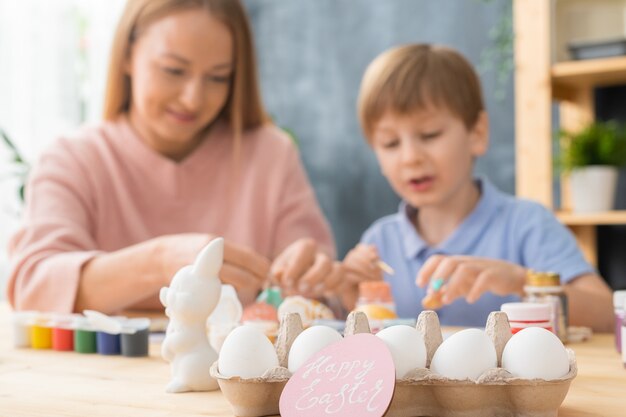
<point x="356" y="389"/>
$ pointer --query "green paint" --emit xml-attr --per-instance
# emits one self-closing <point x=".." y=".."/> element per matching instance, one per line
<point x="85" y="341"/>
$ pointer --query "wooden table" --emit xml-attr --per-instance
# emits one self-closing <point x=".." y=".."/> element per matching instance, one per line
<point x="47" y="383"/>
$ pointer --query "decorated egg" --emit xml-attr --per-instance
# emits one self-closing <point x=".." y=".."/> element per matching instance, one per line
<point x="308" y="309"/>
<point x="260" y="311"/>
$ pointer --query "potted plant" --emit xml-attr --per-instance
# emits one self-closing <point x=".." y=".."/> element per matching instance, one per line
<point x="591" y="157"/>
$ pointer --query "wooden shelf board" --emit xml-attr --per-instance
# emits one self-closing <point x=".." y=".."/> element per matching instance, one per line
<point x="591" y="219"/>
<point x="589" y="73"/>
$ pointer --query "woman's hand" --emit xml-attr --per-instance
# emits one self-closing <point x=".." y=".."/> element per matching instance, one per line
<point x="243" y="268"/>
<point x="471" y="277"/>
<point x="303" y="269"/>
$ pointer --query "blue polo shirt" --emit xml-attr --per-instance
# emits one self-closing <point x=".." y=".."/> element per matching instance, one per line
<point x="500" y="227"/>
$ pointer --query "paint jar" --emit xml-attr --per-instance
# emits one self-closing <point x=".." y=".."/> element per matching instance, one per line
<point x="62" y="333"/>
<point x="41" y="333"/>
<point x="22" y="322"/>
<point x="376" y="301"/>
<point x="134" y="337"/>
<point x="84" y="336"/>
<point x="523" y="315"/>
<point x="108" y="343"/>
<point x="545" y="287"/>
<point x="619" y="297"/>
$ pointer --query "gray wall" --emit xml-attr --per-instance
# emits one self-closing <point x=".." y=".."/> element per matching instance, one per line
<point x="312" y="54"/>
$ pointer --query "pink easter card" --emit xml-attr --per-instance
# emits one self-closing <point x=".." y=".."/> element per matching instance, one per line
<point x="354" y="377"/>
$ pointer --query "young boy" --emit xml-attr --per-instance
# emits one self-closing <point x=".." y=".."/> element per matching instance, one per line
<point x="421" y="110"/>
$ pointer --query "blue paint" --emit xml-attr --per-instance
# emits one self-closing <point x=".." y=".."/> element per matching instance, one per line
<point x="108" y="344"/>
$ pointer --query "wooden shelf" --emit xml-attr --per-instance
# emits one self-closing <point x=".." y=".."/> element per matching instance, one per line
<point x="592" y="72"/>
<point x="592" y="219"/>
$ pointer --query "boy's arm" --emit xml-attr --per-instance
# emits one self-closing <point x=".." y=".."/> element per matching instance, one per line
<point x="590" y="303"/>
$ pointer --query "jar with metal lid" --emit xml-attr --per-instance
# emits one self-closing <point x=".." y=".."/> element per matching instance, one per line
<point x="545" y="287"/>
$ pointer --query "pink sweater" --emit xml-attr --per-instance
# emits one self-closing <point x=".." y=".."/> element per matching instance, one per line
<point x="106" y="189"/>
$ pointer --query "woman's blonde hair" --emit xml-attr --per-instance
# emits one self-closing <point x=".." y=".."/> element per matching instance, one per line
<point x="414" y="77"/>
<point x="243" y="109"/>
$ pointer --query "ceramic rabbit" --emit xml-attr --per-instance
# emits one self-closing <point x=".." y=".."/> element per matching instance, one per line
<point x="191" y="297"/>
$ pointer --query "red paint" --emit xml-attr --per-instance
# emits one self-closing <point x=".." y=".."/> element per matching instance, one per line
<point x="62" y="339"/>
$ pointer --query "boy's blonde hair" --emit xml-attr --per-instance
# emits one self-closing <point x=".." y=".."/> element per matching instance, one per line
<point x="415" y="77"/>
<point x="243" y="109"/>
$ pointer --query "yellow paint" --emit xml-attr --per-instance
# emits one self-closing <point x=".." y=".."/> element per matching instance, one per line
<point x="41" y="336"/>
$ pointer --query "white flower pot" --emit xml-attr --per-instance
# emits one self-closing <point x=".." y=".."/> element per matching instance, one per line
<point x="593" y="188"/>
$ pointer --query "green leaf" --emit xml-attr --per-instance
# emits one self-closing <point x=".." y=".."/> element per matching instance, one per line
<point x="599" y="143"/>
<point x="17" y="159"/>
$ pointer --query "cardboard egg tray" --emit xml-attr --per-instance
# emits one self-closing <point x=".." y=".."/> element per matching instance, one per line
<point x="421" y="392"/>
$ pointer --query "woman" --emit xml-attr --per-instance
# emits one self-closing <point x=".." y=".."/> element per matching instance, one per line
<point x="186" y="153"/>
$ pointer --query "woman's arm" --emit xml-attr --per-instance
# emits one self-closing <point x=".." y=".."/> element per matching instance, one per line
<point x="133" y="276"/>
<point x="117" y="280"/>
<point x="590" y="303"/>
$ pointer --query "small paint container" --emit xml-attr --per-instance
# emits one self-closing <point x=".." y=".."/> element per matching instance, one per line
<point x="134" y="337"/>
<point x="22" y="322"/>
<point x="63" y="333"/>
<point x="523" y="315"/>
<point x="108" y="343"/>
<point x="41" y="333"/>
<point x="84" y="336"/>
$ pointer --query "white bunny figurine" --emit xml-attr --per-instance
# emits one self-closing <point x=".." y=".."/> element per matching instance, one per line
<point x="191" y="297"/>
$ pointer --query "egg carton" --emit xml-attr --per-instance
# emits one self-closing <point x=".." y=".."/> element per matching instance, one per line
<point x="421" y="392"/>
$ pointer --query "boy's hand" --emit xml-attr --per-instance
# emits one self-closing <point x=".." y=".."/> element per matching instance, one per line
<point x="470" y="277"/>
<point x="360" y="264"/>
<point x="303" y="269"/>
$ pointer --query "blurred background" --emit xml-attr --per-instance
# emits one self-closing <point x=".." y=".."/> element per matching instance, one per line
<point x="53" y="58"/>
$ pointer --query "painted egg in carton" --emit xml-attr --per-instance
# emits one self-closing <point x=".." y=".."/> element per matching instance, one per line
<point x="421" y="392"/>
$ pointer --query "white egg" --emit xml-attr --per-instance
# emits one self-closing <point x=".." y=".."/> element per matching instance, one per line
<point x="407" y="348"/>
<point x="465" y="354"/>
<point x="246" y="353"/>
<point x="309" y="342"/>
<point x="535" y="352"/>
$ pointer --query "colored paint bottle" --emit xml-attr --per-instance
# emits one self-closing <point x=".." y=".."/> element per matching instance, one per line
<point x="22" y="322"/>
<point x="62" y="334"/>
<point x="134" y="337"/>
<point x="41" y="334"/>
<point x="108" y="343"/>
<point x="523" y="315"/>
<point x="376" y="301"/>
<point x="84" y="336"/>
